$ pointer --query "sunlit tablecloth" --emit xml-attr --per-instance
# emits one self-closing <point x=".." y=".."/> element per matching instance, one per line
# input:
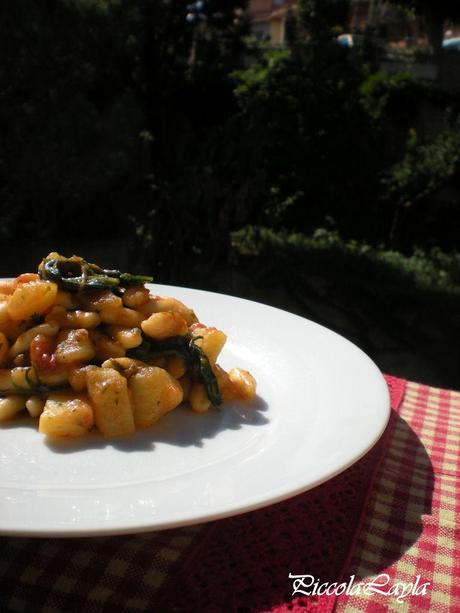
<point x="381" y="536"/>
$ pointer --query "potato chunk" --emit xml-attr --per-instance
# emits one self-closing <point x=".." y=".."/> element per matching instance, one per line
<point x="77" y="347"/>
<point x="211" y="340"/>
<point x="77" y="377"/>
<point x="108" y="392"/>
<point x="66" y="414"/>
<point x="153" y="392"/>
<point x="32" y="298"/>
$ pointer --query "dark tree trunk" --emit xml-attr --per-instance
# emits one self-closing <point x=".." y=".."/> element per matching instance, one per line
<point x="435" y="29"/>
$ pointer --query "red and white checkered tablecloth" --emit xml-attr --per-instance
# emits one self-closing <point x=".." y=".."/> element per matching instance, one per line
<point x="392" y="519"/>
<point x="411" y="526"/>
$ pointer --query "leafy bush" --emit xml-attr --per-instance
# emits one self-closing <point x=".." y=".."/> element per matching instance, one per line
<point x="315" y="142"/>
<point x="401" y="310"/>
<point x="326" y="253"/>
<point x="411" y="187"/>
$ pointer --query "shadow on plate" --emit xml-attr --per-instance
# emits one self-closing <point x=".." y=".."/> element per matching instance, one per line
<point x="23" y="421"/>
<point x="181" y="427"/>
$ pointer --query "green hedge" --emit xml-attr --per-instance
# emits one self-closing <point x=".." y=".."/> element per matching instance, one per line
<point x="326" y="253"/>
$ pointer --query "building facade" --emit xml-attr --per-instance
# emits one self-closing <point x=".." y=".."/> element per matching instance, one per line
<point x="268" y="19"/>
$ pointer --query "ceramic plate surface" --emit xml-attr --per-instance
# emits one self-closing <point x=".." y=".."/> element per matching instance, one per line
<point x="322" y="403"/>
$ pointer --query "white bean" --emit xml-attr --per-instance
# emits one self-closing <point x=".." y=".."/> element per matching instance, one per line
<point x="10" y="406"/>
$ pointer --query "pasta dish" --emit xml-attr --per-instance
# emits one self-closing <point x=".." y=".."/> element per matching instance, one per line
<point x="84" y="348"/>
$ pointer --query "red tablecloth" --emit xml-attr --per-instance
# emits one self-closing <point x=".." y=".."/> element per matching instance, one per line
<point x="384" y="533"/>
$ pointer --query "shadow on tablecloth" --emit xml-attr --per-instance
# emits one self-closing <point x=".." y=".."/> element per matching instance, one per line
<point x="243" y="563"/>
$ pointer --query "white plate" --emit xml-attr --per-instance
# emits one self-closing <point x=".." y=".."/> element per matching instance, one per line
<point x="322" y="404"/>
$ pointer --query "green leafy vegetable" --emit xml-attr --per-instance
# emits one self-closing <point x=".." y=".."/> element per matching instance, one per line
<point x="194" y="357"/>
<point x="76" y="274"/>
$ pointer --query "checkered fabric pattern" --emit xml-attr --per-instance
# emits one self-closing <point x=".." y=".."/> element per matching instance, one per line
<point x="88" y="575"/>
<point x="411" y="529"/>
<point x="243" y="563"/>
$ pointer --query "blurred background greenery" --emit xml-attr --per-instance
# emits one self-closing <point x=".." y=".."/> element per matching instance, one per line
<point x="303" y="154"/>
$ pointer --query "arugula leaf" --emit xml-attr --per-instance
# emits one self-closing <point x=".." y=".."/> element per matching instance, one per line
<point x="76" y="274"/>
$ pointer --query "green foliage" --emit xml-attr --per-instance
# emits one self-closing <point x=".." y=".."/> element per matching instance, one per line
<point x="385" y="93"/>
<point x="402" y="310"/>
<point x="425" y="167"/>
<point x="325" y="253"/>
<point x="411" y="185"/>
<point x="318" y="120"/>
<point x="323" y="17"/>
<point x="302" y="112"/>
